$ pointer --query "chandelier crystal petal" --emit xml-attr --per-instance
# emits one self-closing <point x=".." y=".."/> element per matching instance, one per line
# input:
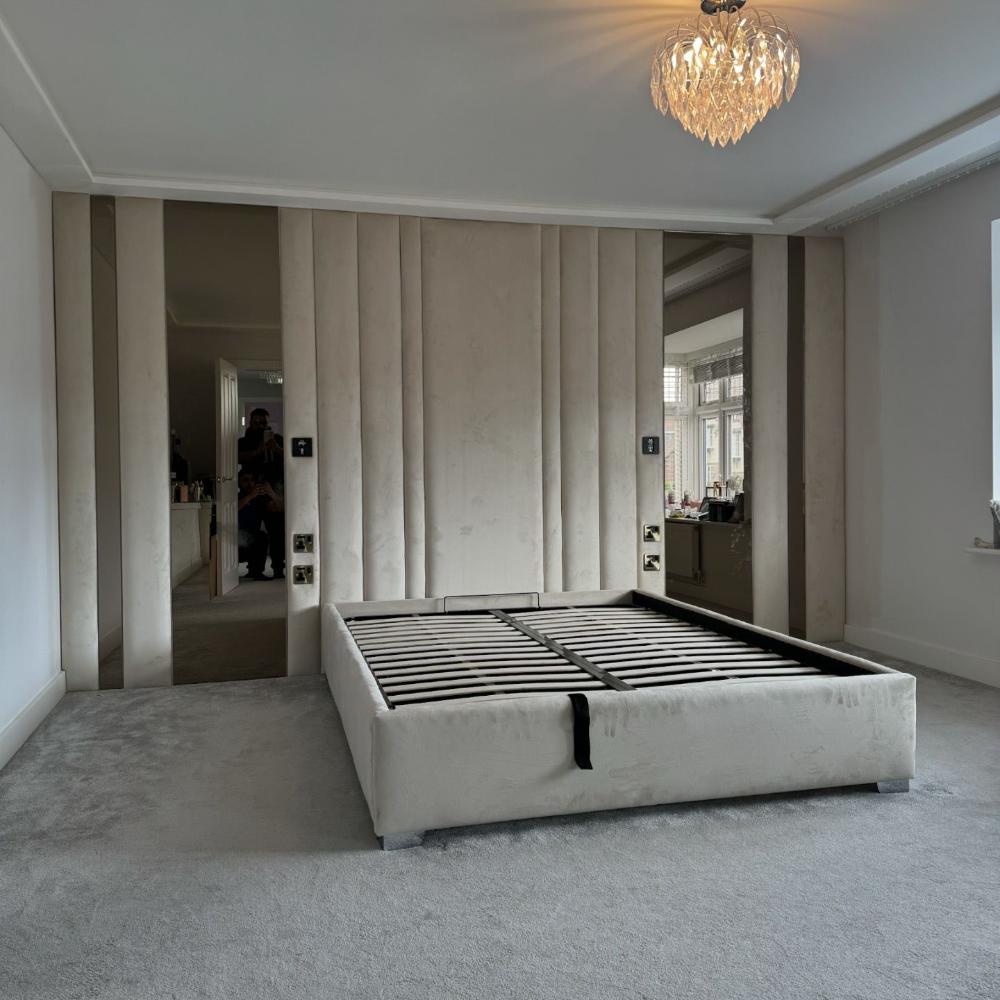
<point x="720" y="74"/>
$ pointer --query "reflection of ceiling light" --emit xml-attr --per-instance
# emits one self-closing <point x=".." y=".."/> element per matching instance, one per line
<point x="720" y="74"/>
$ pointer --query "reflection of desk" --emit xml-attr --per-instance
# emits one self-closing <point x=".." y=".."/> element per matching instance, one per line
<point x="189" y="526"/>
<point x="709" y="562"/>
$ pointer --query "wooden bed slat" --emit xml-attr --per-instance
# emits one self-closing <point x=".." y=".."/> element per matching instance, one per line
<point x="422" y="659"/>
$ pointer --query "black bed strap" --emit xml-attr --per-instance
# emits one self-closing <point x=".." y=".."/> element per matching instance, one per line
<point x="581" y="730"/>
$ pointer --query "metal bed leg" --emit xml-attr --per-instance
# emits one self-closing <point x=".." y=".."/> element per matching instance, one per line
<point x="895" y="785"/>
<point x="401" y="841"/>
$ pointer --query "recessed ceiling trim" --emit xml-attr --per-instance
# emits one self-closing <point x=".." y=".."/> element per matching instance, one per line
<point x="704" y="270"/>
<point x="30" y="118"/>
<point x="967" y="143"/>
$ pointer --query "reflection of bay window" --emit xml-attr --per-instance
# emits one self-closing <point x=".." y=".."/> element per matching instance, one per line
<point x="703" y="427"/>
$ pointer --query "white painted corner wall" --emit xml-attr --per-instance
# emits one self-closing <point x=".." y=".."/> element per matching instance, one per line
<point x="31" y="679"/>
<point x="919" y="430"/>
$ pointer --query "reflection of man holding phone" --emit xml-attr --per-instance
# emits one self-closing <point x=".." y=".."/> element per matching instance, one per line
<point x="262" y="455"/>
<point x="261" y="451"/>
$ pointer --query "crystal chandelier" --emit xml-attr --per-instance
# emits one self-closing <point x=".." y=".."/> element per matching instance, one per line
<point x="720" y="74"/>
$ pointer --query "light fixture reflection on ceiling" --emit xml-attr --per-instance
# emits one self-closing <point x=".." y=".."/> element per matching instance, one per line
<point x="720" y="74"/>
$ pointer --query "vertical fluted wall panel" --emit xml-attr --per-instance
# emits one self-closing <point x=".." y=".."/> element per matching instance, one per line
<point x="616" y="399"/>
<point x="482" y="388"/>
<point x="551" y="426"/>
<point x="145" y="462"/>
<point x="823" y="450"/>
<point x="338" y="379"/>
<point x="413" y="405"/>
<point x="379" y="309"/>
<point x="78" y="589"/>
<point x="580" y="424"/>
<point x="298" y="362"/>
<point x="648" y="395"/>
<point x="482" y="406"/>
<point x="769" y="455"/>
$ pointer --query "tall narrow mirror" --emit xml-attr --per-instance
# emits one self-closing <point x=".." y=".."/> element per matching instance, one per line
<point x="227" y="530"/>
<point x="706" y="427"/>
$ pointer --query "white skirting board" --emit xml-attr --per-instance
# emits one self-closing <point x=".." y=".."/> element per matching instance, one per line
<point x="14" y="734"/>
<point x="949" y="661"/>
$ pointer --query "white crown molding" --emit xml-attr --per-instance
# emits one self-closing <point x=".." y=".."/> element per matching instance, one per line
<point x="241" y="192"/>
<point x="704" y="271"/>
<point x="177" y="323"/>
<point x="192" y="324"/>
<point x="30" y="117"/>
<point x="961" y="146"/>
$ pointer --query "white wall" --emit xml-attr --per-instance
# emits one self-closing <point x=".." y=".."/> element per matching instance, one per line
<point x="919" y="430"/>
<point x="30" y="676"/>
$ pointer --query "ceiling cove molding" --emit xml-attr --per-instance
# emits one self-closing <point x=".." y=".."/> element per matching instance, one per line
<point x="30" y="118"/>
<point x="194" y="324"/>
<point x="239" y="192"/>
<point x="962" y="146"/>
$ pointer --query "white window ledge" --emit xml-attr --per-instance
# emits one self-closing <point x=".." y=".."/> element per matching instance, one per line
<point x="975" y="550"/>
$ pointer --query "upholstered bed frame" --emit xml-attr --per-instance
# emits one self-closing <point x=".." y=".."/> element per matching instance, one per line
<point x="476" y="710"/>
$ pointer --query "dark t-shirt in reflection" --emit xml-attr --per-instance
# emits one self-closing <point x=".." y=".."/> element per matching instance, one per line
<point x="267" y="466"/>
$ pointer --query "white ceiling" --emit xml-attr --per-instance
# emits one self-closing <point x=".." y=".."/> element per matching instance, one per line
<point x="489" y="108"/>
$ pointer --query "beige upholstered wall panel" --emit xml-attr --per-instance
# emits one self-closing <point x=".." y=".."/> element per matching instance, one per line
<point x="551" y="412"/>
<point x="648" y="395"/>
<point x="482" y="388"/>
<point x="616" y="405"/>
<point x="580" y="422"/>
<point x="77" y="484"/>
<point x="338" y="379"/>
<point x="380" y="321"/>
<point x="411" y="288"/>
<point x="770" y="431"/>
<point x="298" y="353"/>
<point x="145" y="426"/>
<point x="482" y="406"/>
<point x="824" y="441"/>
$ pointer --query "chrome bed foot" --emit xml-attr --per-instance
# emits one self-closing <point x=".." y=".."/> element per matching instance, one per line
<point x="401" y="841"/>
<point x="895" y="785"/>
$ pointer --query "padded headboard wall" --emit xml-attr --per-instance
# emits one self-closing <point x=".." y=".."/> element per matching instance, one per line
<point x="481" y="391"/>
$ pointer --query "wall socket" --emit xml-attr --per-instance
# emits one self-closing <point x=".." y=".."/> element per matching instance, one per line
<point x="651" y="562"/>
<point x="302" y="543"/>
<point x="302" y="574"/>
<point x="650" y="532"/>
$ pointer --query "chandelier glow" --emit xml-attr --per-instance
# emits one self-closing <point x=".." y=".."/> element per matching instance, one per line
<point x="720" y="74"/>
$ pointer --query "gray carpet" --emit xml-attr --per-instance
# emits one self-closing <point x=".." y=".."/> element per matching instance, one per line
<point x="212" y="842"/>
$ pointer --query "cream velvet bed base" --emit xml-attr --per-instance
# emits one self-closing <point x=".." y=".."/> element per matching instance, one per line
<point x="456" y="764"/>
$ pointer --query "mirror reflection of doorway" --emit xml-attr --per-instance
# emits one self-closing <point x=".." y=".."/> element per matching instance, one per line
<point x="229" y="603"/>
<point x="706" y="426"/>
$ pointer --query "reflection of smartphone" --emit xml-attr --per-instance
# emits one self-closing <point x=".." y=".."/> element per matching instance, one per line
<point x="268" y="434"/>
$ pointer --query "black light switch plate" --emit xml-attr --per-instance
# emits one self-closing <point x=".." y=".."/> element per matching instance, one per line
<point x="651" y="445"/>
<point x="302" y="447"/>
